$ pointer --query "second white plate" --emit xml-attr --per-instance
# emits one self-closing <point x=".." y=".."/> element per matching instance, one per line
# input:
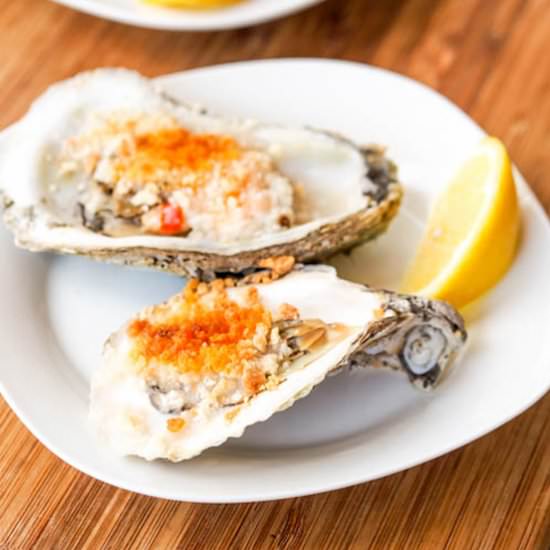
<point x="57" y="311"/>
<point x="140" y="14"/>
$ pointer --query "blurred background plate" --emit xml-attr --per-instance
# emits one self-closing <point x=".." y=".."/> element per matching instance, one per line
<point x="140" y="14"/>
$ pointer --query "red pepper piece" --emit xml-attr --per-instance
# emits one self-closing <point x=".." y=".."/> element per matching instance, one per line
<point x="172" y="219"/>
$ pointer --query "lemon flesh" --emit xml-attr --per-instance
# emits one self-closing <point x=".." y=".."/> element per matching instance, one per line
<point x="193" y="4"/>
<point x="472" y="232"/>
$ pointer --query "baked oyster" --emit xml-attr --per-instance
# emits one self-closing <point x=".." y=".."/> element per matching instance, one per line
<point x="108" y="166"/>
<point x="188" y="374"/>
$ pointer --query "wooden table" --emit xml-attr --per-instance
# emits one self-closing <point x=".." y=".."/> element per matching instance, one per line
<point x="492" y="57"/>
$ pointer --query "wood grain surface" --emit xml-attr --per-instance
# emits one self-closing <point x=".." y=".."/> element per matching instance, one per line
<point x="492" y="57"/>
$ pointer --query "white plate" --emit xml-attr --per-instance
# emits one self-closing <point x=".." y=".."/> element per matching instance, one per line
<point x="135" y="12"/>
<point x="57" y="311"/>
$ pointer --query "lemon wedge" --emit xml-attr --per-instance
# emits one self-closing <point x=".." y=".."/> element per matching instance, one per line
<point x="472" y="232"/>
<point x="193" y="4"/>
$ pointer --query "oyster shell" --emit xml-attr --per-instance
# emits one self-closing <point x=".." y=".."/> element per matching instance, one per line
<point x="108" y="166"/>
<point x="191" y="373"/>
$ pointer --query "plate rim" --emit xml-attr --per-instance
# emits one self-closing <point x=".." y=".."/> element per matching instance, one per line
<point x="310" y="488"/>
<point x="119" y="15"/>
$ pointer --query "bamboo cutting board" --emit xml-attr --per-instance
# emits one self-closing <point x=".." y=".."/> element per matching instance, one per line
<point x="489" y="56"/>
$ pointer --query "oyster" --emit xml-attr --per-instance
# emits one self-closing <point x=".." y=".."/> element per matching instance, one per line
<point x="188" y="374"/>
<point x="108" y="166"/>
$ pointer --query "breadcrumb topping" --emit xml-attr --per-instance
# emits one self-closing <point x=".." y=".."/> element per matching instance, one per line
<point x="135" y="169"/>
<point x="177" y="148"/>
<point x="175" y="425"/>
<point x="208" y="333"/>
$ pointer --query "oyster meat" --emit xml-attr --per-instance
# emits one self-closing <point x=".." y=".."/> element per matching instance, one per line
<point x="188" y="374"/>
<point x="108" y="166"/>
